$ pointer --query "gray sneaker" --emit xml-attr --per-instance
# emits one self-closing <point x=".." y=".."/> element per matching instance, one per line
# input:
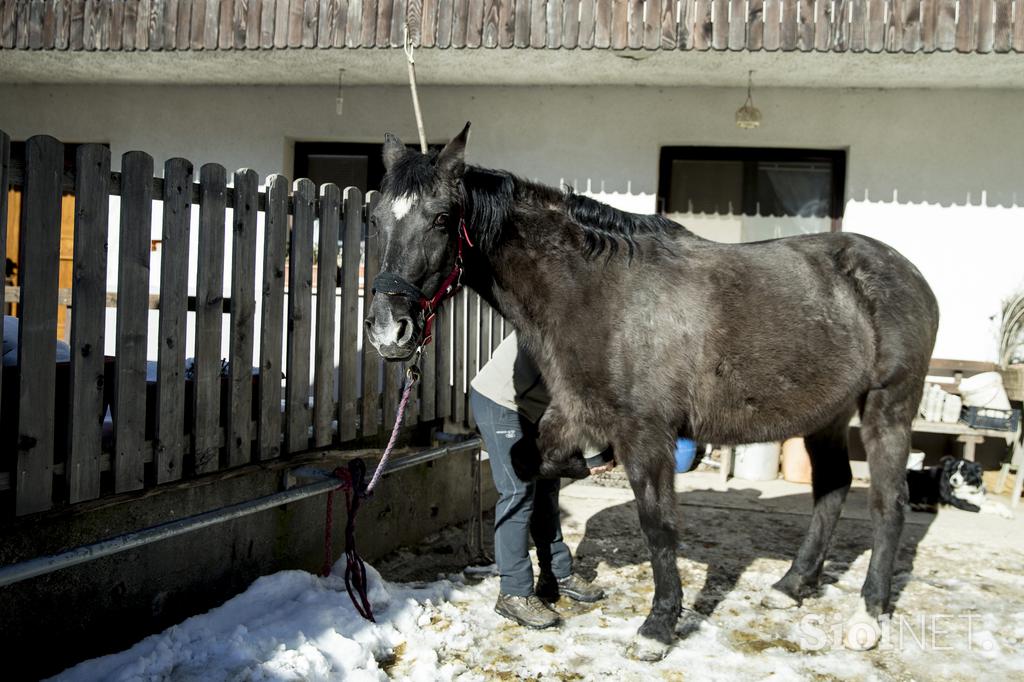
<point x="529" y="611"/>
<point x="572" y="586"/>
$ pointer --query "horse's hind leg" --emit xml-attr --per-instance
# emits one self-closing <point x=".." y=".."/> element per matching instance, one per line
<point x="830" y="480"/>
<point x="886" y="419"/>
<point x="648" y="462"/>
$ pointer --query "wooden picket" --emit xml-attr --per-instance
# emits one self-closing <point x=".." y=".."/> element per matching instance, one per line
<point x="602" y="23"/>
<point x="720" y="25"/>
<point x="985" y="39"/>
<point x="805" y="42"/>
<point x="1018" y="26"/>
<point x="275" y="248"/>
<point x="788" y="35"/>
<point x="858" y="26"/>
<point x="841" y="25"/>
<point x="326" y="287"/>
<point x="38" y="261"/>
<point x="669" y="30"/>
<point x="132" y="320"/>
<point x="967" y="25"/>
<point x="348" y="369"/>
<point x="635" y="24"/>
<point x="170" y="404"/>
<point x="912" y="26"/>
<point x="755" y="24"/>
<point x="702" y="25"/>
<point x="772" y="24"/>
<point x="1001" y="36"/>
<point x="443" y="361"/>
<point x="92" y="189"/>
<point x="521" y="35"/>
<point x="243" y="314"/>
<point x="372" y="362"/>
<point x="496" y="333"/>
<point x="928" y="19"/>
<point x="459" y="353"/>
<point x="300" y="283"/>
<point x="472" y="354"/>
<point x="876" y="26"/>
<point x="207" y="435"/>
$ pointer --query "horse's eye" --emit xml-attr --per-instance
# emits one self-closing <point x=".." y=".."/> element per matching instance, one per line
<point x="441" y="220"/>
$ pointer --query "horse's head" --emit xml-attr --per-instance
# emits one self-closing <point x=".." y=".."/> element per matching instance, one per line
<point x="419" y="223"/>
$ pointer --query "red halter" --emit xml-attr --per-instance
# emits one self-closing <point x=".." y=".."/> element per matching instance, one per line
<point x="449" y="287"/>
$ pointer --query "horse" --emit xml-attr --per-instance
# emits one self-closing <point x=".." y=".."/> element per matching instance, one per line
<point x="644" y="331"/>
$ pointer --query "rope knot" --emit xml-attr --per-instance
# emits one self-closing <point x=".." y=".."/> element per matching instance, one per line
<point x="344" y="478"/>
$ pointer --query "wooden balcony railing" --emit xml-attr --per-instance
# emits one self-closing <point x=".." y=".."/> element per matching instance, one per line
<point x="789" y="25"/>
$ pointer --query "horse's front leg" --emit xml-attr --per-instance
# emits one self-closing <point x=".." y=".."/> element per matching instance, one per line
<point x="560" y="454"/>
<point x="648" y="461"/>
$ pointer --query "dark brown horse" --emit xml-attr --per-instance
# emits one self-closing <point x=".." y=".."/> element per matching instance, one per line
<point x="642" y="330"/>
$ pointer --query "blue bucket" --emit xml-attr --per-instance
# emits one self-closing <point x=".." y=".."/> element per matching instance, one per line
<point x="686" y="452"/>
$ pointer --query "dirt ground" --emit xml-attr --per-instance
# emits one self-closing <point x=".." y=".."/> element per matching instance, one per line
<point x="959" y="601"/>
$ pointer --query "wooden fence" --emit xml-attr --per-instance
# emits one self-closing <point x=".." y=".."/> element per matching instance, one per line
<point x="52" y="449"/>
<point x="788" y="25"/>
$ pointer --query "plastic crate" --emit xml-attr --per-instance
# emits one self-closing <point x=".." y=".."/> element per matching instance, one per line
<point x="990" y="418"/>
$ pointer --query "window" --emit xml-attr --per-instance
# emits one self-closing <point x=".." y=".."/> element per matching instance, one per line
<point x="742" y="194"/>
<point x="346" y="164"/>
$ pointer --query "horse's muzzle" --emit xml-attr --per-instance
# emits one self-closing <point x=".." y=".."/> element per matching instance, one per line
<point x="392" y="327"/>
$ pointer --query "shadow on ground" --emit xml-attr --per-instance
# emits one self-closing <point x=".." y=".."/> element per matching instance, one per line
<point x="729" y="530"/>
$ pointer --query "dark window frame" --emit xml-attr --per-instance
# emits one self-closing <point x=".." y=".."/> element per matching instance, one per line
<point x="749" y="156"/>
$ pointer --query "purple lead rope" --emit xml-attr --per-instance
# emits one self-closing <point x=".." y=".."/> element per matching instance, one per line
<point x="412" y="375"/>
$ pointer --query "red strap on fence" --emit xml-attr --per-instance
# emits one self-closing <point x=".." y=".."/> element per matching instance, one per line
<point x="355" y="568"/>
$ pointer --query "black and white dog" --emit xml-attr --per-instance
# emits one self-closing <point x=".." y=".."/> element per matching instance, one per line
<point x="956" y="482"/>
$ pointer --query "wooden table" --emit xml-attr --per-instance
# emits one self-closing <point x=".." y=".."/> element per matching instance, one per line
<point x="968" y="435"/>
<point x="971" y="437"/>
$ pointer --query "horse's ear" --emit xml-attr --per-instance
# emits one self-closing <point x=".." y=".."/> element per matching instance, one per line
<point x="451" y="160"/>
<point x="393" y="150"/>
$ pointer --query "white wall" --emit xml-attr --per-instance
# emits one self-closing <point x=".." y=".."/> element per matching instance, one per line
<point x="938" y="174"/>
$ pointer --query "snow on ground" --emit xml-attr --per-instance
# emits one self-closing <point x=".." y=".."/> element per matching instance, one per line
<point x="959" y="614"/>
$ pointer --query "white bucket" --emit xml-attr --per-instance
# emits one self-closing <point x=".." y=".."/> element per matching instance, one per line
<point x="757" y="461"/>
<point x="984" y="390"/>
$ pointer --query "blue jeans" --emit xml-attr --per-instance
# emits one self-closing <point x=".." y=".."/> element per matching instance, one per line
<point x="524" y="508"/>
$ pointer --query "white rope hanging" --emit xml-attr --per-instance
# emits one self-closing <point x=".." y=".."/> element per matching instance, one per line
<point x="411" y="64"/>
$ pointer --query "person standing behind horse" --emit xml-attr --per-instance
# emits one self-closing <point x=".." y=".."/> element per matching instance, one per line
<point x="508" y="398"/>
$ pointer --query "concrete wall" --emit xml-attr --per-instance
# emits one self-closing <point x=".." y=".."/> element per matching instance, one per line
<point x="935" y="173"/>
<point x="53" y="621"/>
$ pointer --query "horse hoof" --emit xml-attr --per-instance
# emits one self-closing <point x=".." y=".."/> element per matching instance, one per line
<point x="862" y="632"/>
<point x="776" y="599"/>
<point x="647" y="649"/>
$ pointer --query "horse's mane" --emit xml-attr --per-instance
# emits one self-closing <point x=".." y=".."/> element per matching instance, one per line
<point x="605" y="227"/>
<point x="491" y="196"/>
